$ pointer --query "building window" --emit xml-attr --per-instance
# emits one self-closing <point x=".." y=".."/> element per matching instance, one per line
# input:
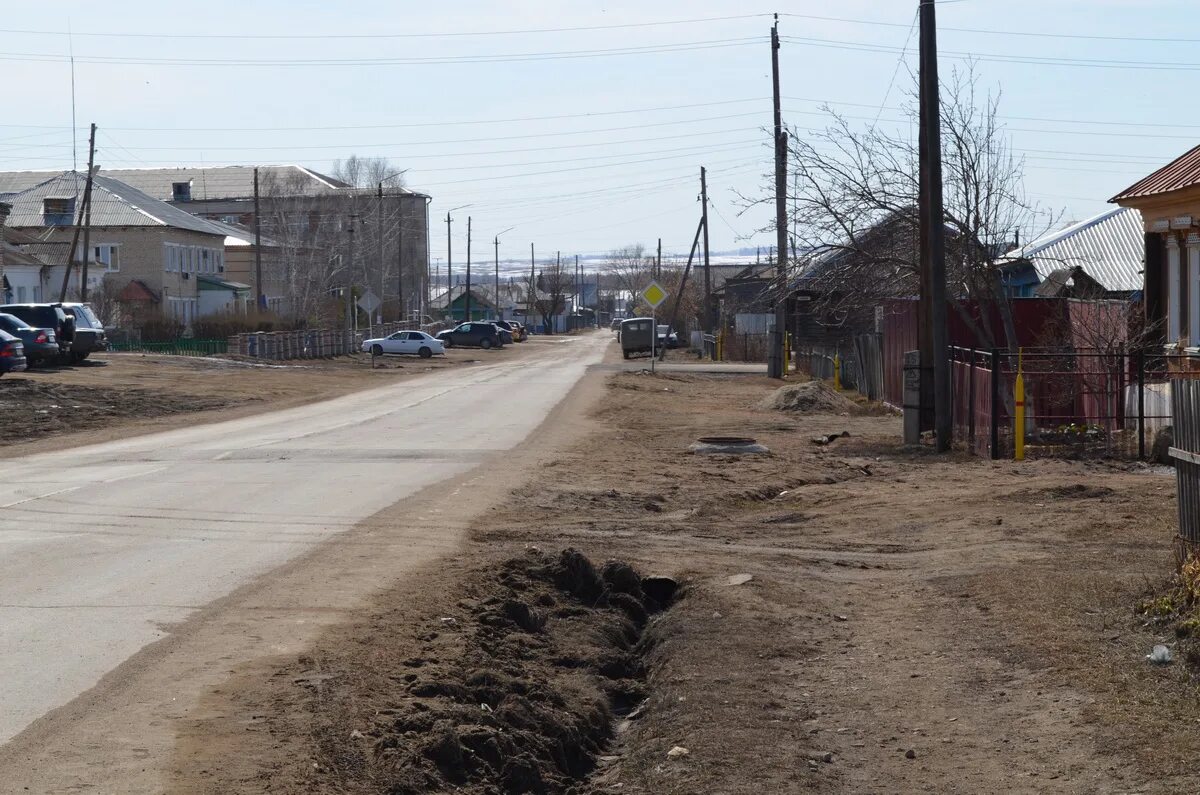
<point x="58" y="210"/>
<point x="106" y="254"/>
<point x="230" y="219"/>
<point x="181" y="191"/>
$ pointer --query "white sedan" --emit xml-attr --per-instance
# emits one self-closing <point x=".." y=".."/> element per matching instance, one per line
<point x="416" y="343"/>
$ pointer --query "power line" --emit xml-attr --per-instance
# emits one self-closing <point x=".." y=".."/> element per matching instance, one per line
<point x="1096" y="63"/>
<point x="393" y="61"/>
<point x="1032" y="34"/>
<point x="325" y="36"/>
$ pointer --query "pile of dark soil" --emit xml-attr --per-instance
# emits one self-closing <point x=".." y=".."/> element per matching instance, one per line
<point x="517" y="691"/>
<point x="30" y="409"/>
<point x="811" y="396"/>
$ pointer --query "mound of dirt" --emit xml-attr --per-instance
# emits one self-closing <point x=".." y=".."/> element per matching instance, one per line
<point x="543" y="657"/>
<point x="812" y="396"/>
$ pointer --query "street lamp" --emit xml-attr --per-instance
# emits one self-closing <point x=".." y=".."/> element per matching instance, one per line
<point x="499" y="314"/>
<point x="449" y="261"/>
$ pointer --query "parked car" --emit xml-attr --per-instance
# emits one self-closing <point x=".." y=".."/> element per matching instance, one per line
<point x="89" y="332"/>
<point x="12" y="354"/>
<point x="477" y="334"/>
<point x="415" y="343"/>
<point x="515" y="330"/>
<point x="40" y="344"/>
<point x="48" y="317"/>
<point x="667" y="338"/>
<point x="506" y="336"/>
<point x="637" y="336"/>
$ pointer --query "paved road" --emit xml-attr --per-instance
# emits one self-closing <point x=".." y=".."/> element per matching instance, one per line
<point x="699" y="366"/>
<point x="102" y="548"/>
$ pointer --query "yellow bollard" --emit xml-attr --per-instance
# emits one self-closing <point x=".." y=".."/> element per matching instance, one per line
<point x="1019" y="412"/>
<point x="837" y="372"/>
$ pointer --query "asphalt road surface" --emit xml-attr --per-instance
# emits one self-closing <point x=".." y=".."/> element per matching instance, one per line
<point x="103" y="548"/>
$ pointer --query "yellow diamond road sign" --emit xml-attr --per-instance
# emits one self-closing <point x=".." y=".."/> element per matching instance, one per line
<point x="654" y="294"/>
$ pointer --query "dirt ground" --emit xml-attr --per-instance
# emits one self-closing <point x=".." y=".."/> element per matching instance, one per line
<point x="853" y="617"/>
<point x="122" y="393"/>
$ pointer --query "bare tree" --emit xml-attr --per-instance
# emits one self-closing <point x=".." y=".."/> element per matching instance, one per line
<point x="853" y="210"/>
<point x="551" y="287"/>
<point x="368" y="172"/>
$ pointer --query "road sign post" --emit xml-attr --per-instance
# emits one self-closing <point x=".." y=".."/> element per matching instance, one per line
<point x="654" y="294"/>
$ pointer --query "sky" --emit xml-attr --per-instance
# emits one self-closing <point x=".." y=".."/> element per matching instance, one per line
<point x="582" y="127"/>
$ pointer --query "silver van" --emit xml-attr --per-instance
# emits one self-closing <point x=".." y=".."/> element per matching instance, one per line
<point x="637" y="336"/>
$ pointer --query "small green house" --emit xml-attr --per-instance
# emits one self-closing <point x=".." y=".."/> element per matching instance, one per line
<point x="454" y="305"/>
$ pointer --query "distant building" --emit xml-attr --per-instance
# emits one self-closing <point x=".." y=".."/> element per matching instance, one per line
<point x="1100" y="257"/>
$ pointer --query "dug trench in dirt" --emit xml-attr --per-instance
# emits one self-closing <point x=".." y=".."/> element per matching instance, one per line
<point x="859" y="617"/>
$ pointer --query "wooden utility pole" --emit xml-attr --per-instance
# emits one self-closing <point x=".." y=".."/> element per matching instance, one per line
<point x="529" y="299"/>
<point x="260" y="300"/>
<point x="449" y="280"/>
<point x="467" y="318"/>
<point x="87" y="198"/>
<point x="349" y="288"/>
<point x="935" y="361"/>
<point x="708" y="307"/>
<point x="775" y="359"/>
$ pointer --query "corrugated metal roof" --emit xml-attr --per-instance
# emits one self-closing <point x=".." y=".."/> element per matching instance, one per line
<point x="220" y="182"/>
<point x="1180" y="173"/>
<point x="113" y="204"/>
<point x="1109" y="247"/>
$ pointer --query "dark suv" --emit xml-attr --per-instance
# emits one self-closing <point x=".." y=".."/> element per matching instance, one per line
<point x="50" y="318"/>
<point x="482" y="335"/>
<point x="89" y="332"/>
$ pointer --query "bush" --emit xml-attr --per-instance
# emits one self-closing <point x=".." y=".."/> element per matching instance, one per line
<point x="158" y="327"/>
<point x="222" y="326"/>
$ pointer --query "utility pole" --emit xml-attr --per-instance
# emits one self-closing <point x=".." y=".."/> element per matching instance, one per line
<point x="449" y="279"/>
<point x="658" y="261"/>
<point x="379" y="234"/>
<point x="935" y="362"/>
<point x="578" y="295"/>
<point x="468" y="296"/>
<point x="530" y="298"/>
<point x="350" y="315"/>
<point x="496" y="241"/>
<point x="260" y="300"/>
<point x="776" y="361"/>
<point x="708" y="308"/>
<point x="87" y="198"/>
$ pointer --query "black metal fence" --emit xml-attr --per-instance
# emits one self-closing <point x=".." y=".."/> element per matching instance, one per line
<point x="1078" y="402"/>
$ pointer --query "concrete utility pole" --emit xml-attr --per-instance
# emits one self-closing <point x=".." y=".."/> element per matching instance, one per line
<point x="468" y="295"/>
<point x="87" y="197"/>
<point x="578" y="294"/>
<point x="935" y="361"/>
<point x="260" y="300"/>
<point x="658" y="261"/>
<point x="496" y="242"/>
<point x="775" y="359"/>
<point x="708" y="307"/>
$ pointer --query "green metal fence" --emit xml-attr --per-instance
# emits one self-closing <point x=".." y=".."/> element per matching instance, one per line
<point x="179" y="347"/>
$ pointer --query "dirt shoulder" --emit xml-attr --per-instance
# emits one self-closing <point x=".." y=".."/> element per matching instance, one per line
<point x="123" y="394"/>
<point x="854" y="617"/>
